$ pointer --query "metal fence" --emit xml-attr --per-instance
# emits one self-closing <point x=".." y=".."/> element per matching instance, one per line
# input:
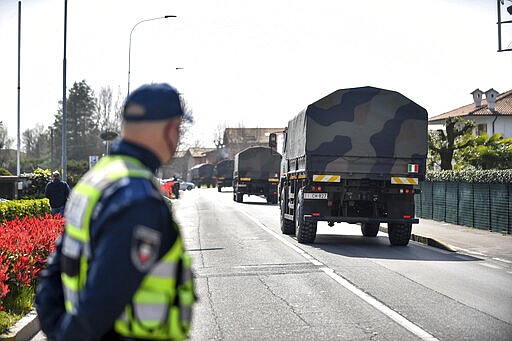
<point x="484" y="206"/>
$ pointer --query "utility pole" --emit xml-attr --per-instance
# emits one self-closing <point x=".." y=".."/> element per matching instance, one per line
<point x="19" y="90"/>
<point x="64" y="159"/>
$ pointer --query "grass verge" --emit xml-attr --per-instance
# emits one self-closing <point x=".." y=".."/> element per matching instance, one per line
<point x="17" y="304"/>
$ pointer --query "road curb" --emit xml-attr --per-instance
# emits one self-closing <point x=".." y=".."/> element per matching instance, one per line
<point x="26" y="328"/>
<point x="427" y="241"/>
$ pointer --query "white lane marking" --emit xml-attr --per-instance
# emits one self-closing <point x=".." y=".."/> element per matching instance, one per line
<point x="475" y="253"/>
<point x="422" y="334"/>
<point x="416" y="330"/>
<point x="490" y="266"/>
<point x="283" y="240"/>
<point x="502" y="260"/>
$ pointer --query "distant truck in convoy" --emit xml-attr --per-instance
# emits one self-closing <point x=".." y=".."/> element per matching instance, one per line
<point x="354" y="156"/>
<point x="203" y="174"/>
<point x="256" y="172"/>
<point x="224" y="173"/>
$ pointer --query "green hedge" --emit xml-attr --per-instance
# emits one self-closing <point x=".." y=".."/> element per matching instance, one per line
<point x="9" y="210"/>
<point x="472" y="176"/>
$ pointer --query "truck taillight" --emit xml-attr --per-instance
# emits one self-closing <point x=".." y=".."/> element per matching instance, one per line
<point x="407" y="217"/>
<point x="316" y="188"/>
<point x="315" y="214"/>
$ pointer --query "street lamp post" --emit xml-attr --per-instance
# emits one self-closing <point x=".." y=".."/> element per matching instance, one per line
<point x="64" y="155"/>
<point x="130" y="44"/>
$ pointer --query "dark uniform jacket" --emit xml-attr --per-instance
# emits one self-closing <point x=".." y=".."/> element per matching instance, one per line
<point x="114" y="274"/>
<point x="57" y="191"/>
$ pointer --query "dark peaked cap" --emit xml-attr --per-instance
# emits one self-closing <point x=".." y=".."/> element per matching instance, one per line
<point x="151" y="102"/>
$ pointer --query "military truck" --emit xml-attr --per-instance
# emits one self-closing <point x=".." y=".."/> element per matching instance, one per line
<point x="203" y="174"/>
<point x="256" y="172"/>
<point x="354" y="156"/>
<point x="224" y="173"/>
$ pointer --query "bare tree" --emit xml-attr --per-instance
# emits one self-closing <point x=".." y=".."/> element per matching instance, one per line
<point x="197" y="144"/>
<point x="218" y="138"/>
<point x="5" y="140"/>
<point x="185" y="127"/>
<point x="35" y="141"/>
<point x="108" y="110"/>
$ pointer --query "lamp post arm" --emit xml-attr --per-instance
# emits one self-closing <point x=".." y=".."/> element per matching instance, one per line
<point x="130" y="43"/>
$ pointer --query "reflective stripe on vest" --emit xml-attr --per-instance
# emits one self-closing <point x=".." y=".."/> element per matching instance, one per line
<point x="156" y="312"/>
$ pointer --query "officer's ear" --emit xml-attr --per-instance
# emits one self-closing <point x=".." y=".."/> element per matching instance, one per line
<point x="172" y="128"/>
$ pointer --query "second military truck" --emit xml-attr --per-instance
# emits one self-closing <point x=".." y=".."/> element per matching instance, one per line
<point x="224" y="173"/>
<point x="203" y="174"/>
<point x="354" y="156"/>
<point x="256" y="172"/>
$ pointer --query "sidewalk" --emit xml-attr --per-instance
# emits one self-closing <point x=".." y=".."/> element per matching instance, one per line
<point x="473" y="241"/>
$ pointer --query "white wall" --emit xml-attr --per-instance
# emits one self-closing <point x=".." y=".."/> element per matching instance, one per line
<point x="502" y="124"/>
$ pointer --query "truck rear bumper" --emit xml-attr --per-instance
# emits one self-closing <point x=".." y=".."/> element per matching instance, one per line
<point x="353" y="220"/>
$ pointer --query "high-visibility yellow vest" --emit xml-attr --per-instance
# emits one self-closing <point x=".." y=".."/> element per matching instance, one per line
<point x="161" y="308"/>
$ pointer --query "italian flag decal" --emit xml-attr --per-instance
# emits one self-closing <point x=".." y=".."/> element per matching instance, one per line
<point x="412" y="168"/>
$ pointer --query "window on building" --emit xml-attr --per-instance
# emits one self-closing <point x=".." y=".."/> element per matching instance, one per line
<point x="481" y="129"/>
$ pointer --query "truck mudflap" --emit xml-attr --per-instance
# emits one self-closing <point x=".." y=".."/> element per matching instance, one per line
<point x="353" y="220"/>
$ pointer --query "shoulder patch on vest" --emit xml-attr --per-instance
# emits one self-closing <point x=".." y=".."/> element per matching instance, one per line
<point x="145" y="247"/>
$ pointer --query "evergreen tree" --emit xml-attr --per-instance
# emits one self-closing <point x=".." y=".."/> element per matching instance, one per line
<point x="82" y="130"/>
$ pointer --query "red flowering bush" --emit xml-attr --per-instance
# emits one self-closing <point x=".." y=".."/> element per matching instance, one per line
<point x="24" y="246"/>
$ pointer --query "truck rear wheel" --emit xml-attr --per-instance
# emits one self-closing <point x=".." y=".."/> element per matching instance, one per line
<point x="305" y="231"/>
<point x="287" y="226"/>
<point x="399" y="234"/>
<point x="370" y="229"/>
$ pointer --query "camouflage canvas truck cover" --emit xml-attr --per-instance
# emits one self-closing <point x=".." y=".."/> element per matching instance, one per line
<point x="256" y="172"/>
<point x="354" y="156"/>
<point x="203" y="174"/>
<point x="224" y="173"/>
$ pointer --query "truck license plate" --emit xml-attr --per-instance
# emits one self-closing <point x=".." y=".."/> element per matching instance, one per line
<point x="315" y="195"/>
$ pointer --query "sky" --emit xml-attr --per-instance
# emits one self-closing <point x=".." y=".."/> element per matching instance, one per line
<point x="251" y="63"/>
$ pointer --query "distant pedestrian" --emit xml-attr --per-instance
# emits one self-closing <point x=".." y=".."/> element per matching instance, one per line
<point x="58" y="192"/>
<point x="176" y="188"/>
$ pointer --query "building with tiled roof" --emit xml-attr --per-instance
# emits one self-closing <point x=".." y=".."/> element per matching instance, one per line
<point x="183" y="161"/>
<point x="237" y="139"/>
<point x="492" y="114"/>
<point x="234" y="141"/>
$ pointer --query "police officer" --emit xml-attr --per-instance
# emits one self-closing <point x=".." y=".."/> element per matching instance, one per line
<point x="120" y="271"/>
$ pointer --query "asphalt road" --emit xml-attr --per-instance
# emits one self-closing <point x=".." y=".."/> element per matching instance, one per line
<point x="255" y="283"/>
